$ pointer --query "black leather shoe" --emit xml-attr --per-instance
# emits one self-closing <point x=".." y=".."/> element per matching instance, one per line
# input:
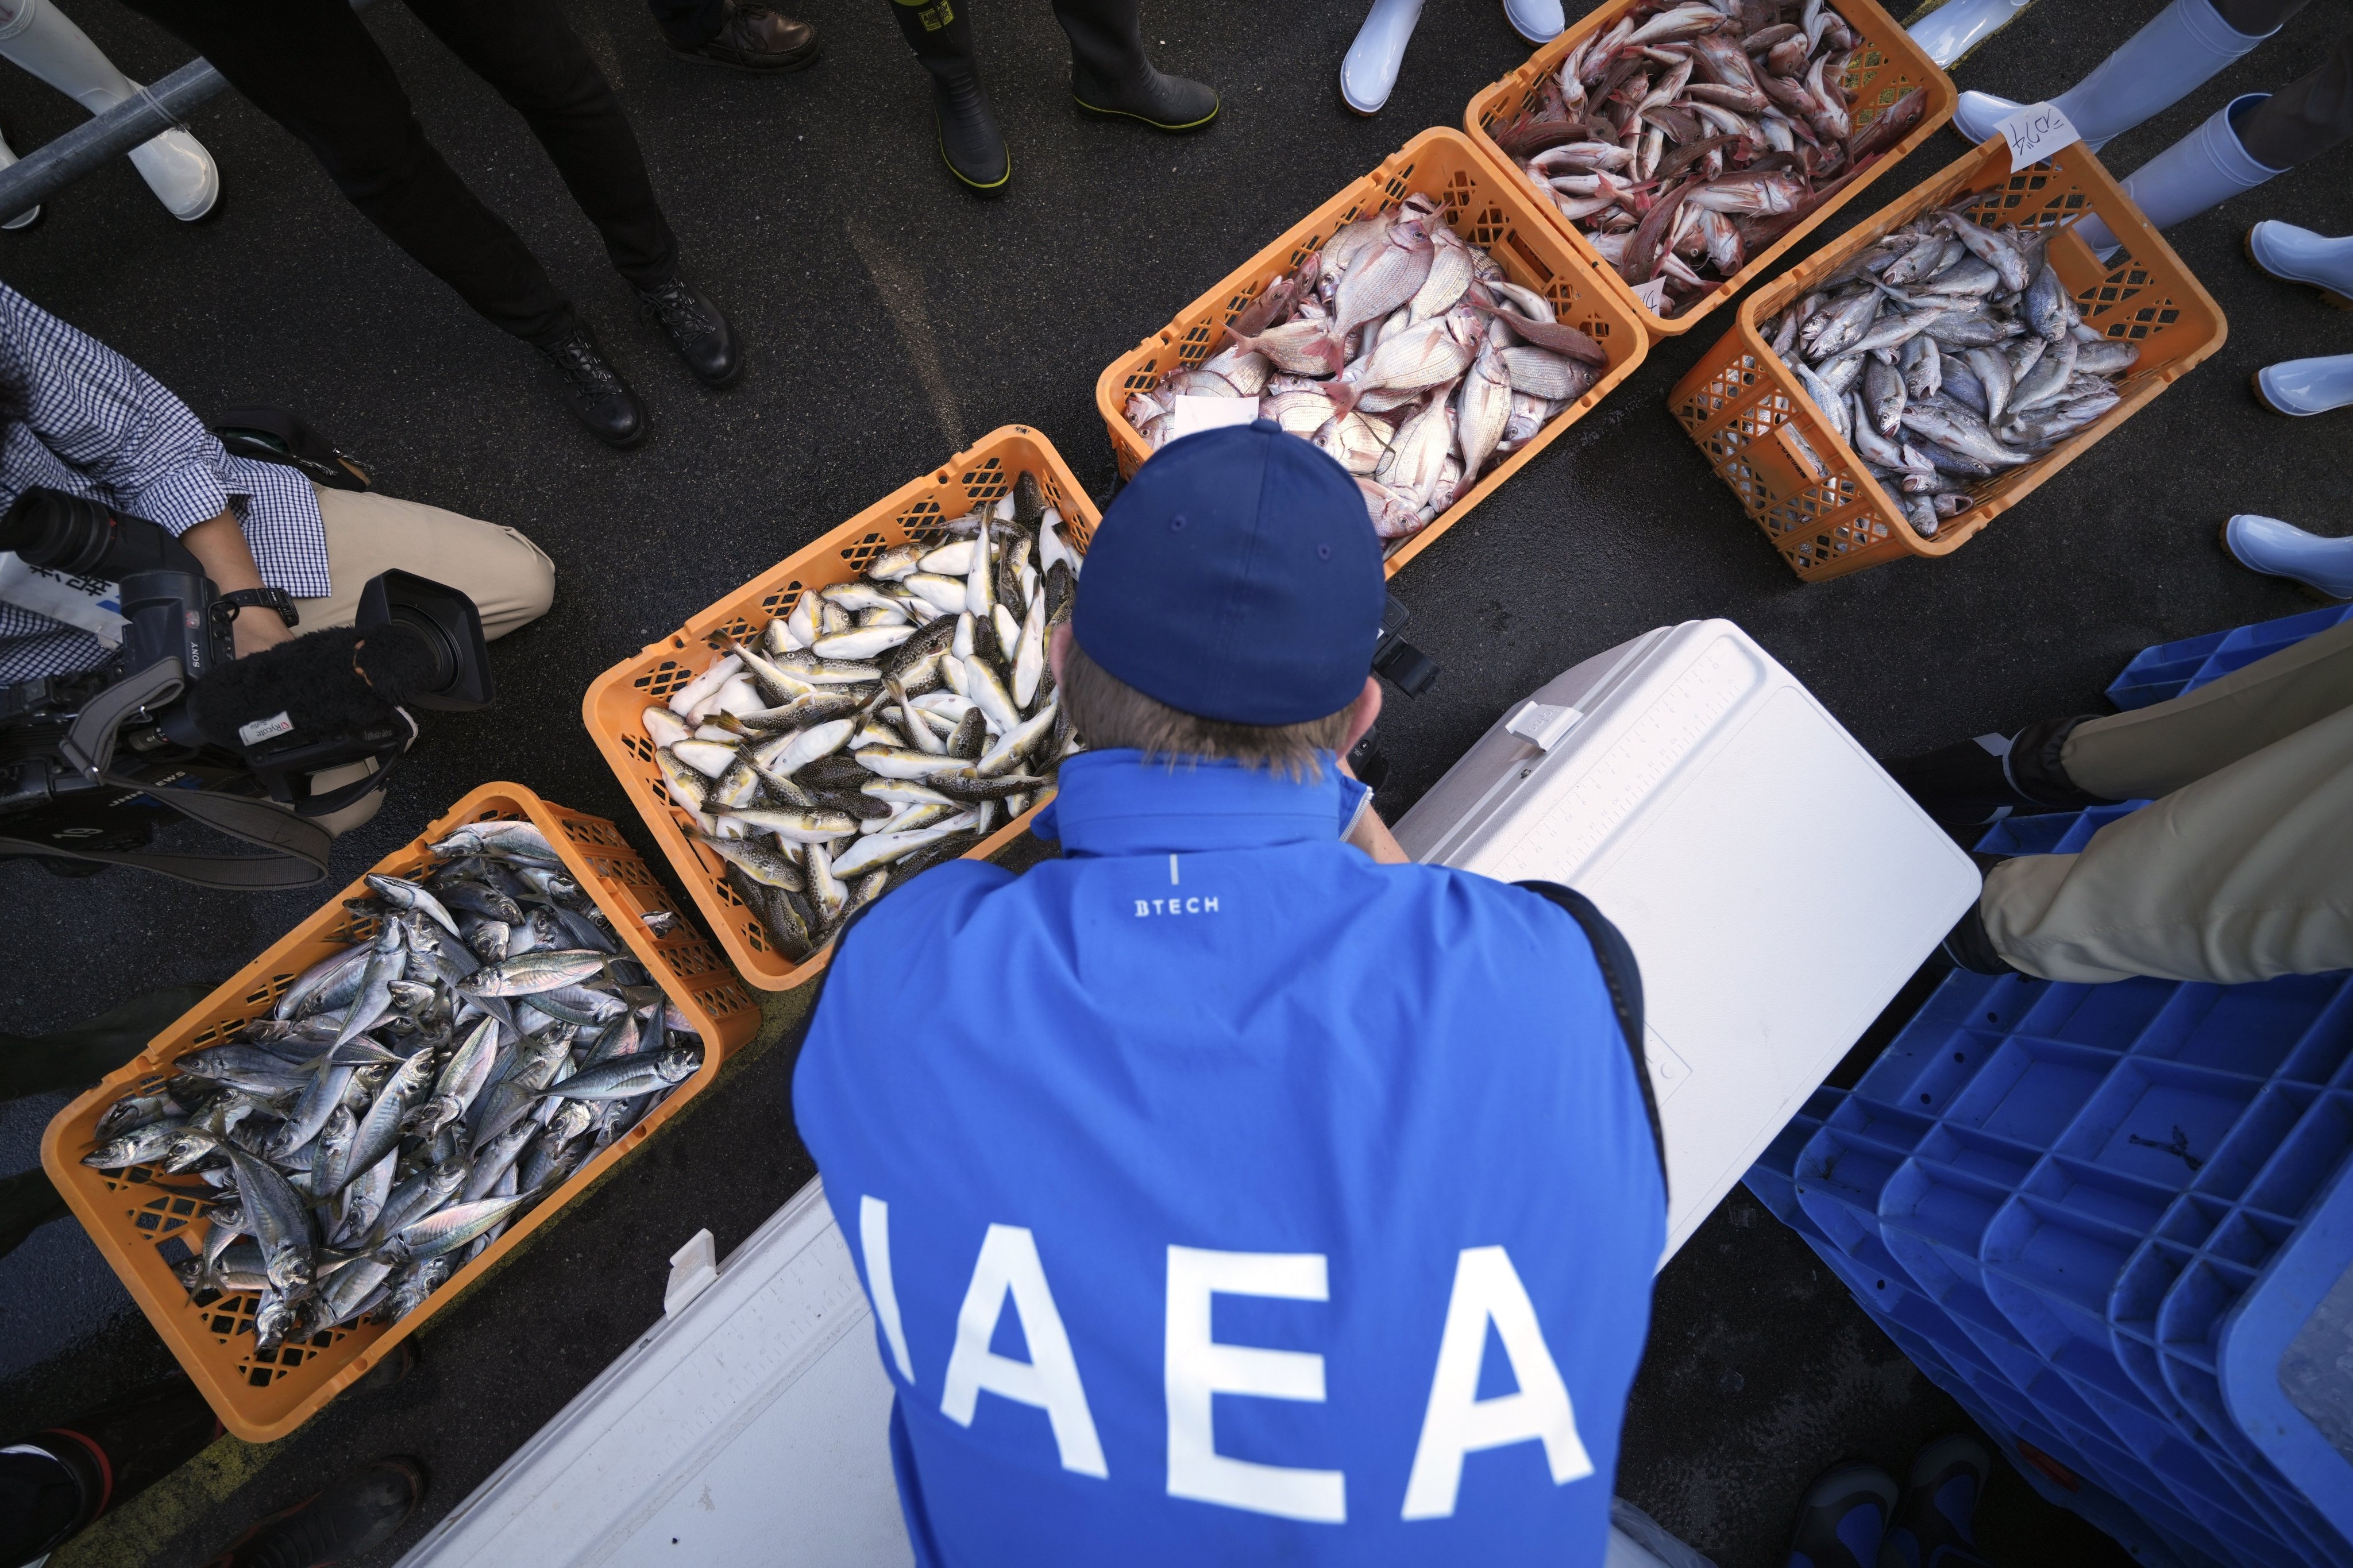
<point x="349" y="1520"/>
<point x="696" y="330"/>
<point x="1973" y="783"/>
<point x="755" y="39"/>
<point x="1111" y="76"/>
<point x="970" y="143"/>
<point x="599" y="398"/>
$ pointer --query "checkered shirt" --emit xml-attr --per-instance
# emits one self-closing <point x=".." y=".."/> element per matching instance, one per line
<point x="96" y="424"/>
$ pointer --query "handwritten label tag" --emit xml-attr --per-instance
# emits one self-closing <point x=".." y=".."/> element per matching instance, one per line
<point x="1195" y="414"/>
<point x="90" y="603"/>
<point x="2036" y="132"/>
<point x="1654" y="295"/>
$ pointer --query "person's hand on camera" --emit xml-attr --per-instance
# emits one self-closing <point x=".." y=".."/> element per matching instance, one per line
<point x="255" y="628"/>
<point x="218" y="544"/>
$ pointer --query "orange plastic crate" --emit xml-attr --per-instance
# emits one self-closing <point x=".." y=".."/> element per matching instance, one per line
<point x="1499" y="213"/>
<point x="1741" y="404"/>
<point x="1885" y="66"/>
<point x="914" y="512"/>
<point x="138" y="1215"/>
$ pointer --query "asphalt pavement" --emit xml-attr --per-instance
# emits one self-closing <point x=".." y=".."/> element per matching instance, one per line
<point x="892" y="320"/>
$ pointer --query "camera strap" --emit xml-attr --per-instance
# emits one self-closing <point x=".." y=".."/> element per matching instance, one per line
<point x="296" y="848"/>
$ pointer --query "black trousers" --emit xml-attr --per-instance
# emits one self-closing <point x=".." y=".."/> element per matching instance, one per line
<point x="690" y="22"/>
<point x="311" y="65"/>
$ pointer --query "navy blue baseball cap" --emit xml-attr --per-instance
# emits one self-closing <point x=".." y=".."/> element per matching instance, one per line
<point x="1238" y="578"/>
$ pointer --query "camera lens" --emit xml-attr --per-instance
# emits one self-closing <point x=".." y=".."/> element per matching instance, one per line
<point x="65" y="534"/>
<point x="433" y="642"/>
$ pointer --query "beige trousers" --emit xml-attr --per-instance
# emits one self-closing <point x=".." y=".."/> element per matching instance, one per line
<point x="509" y="581"/>
<point x="2242" y="866"/>
<point x="506" y="575"/>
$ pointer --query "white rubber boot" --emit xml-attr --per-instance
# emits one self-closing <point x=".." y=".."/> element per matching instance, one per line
<point x="1538" y="21"/>
<point x="44" y="41"/>
<point x="2205" y="167"/>
<point x="2279" y="549"/>
<point x="1956" y="26"/>
<point x="2150" y="72"/>
<point x="30" y="215"/>
<point x="2300" y="256"/>
<point x="1370" y="70"/>
<point x="2306" y="386"/>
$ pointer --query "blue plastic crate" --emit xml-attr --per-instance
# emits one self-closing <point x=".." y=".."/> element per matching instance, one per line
<point x="2115" y="1221"/>
<point x="2170" y="669"/>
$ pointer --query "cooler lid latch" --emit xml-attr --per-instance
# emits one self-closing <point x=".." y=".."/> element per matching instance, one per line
<point x="1543" y="726"/>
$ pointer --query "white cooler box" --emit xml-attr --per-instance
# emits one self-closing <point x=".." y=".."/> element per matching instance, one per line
<point x="1776" y="886"/>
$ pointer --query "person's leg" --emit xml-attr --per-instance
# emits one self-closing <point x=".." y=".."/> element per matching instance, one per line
<point x="2180" y="48"/>
<point x="2153" y="751"/>
<point x="2305" y="118"/>
<point x="1112" y="75"/>
<point x="940" y="32"/>
<point x="353" y="1516"/>
<point x="528" y="51"/>
<point x="54" y="1482"/>
<point x="2321" y="565"/>
<point x="311" y="65"/>
<point x="2064" y="763"/>
<point x="689" y="23"/>
<point x="44" y="40"/>
<point x="2243" y="875"/>
<point x="509" y="579"/>
<point x="2254" y="137"/>
<point x="741" y="35"/>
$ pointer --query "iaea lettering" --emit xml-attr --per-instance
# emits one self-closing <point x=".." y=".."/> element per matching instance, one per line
<point x="1456" y="1423"/>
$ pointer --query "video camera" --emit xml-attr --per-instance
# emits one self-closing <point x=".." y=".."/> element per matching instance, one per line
<point x="1403" y="665"/>
<point x="86" y="758"/>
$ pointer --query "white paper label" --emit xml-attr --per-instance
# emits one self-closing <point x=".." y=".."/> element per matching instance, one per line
<point x="1195" y="414"/>
<point x="2036" y="132"/>
<point x="88" y="604"/>
<point x="267" y="728"/>
<point x="1654" y="295"/>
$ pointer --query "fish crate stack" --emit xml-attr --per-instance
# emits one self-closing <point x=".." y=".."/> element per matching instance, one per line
<point x="145" y="1221"/>
<point x="1806" y="487"/>
<point x="2170" y="669"/>
<point x="1882" y="73"/>
<point x="1499" y="212"/>
<point x="2115" y="1221"/>
<point x="917" y="514"/>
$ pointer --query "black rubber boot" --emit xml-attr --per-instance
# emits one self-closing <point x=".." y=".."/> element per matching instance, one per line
<point x="1983" y="779"/>
<point x="970" y="144"/>
<point x="1843" y="1518"/>
<point x="696" y="330"/>
<point x="1109" y="74"/>
<point x="54" y="1482"/>
<point x="1935" y="1524"/>
<point x="595" y="393"/>
<point x="349" y="1520"/>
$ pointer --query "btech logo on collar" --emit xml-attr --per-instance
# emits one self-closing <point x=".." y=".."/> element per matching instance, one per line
<point x="1146" y="907"/>
<point x="1174" y="904"/>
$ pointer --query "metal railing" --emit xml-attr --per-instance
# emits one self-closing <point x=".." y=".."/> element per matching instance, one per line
<point x="154" y="109"/>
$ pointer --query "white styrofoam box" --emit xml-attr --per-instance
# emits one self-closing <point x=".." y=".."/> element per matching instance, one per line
<point x="1776" y="886"/>
<point x="751" y="1425"/>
